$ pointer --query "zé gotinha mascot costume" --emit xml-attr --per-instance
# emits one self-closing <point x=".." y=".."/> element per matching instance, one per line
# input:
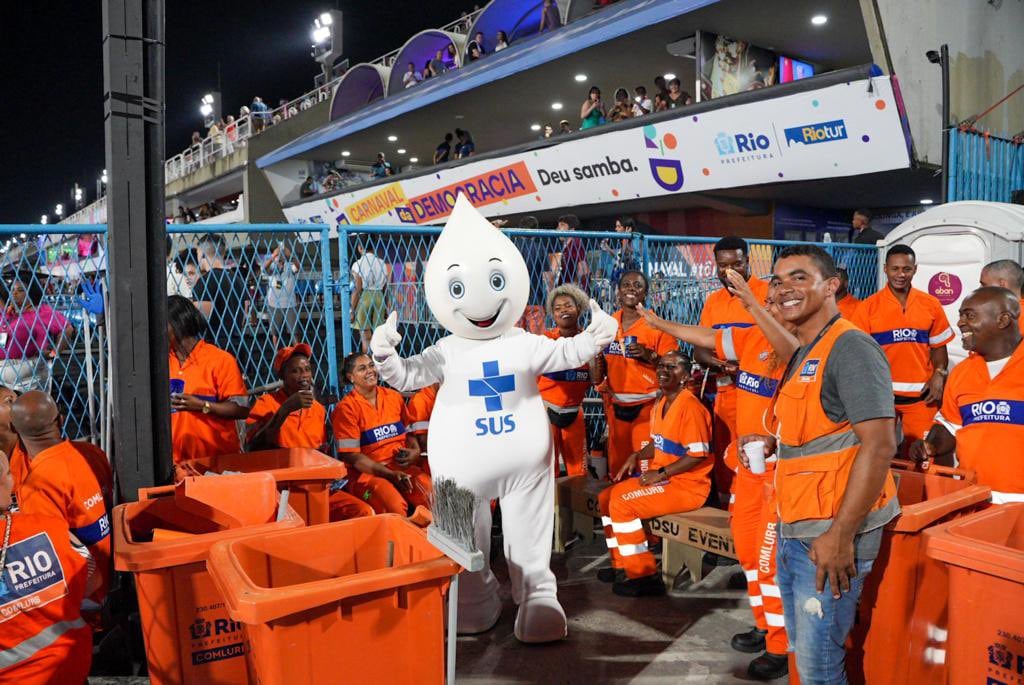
<point x="489" y="431"/>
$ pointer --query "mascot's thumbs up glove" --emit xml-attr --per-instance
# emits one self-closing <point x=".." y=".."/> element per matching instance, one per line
<point x="602" y="328"/>
<point x="385" y="338"/>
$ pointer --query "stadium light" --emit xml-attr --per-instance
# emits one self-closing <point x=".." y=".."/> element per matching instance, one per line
<point x="345" y="153"/>
<point x="669" y="76"/>
<point x="580" y="78"/>
<point x="321" y="33"/>
<point x="400" y="150"/>
<point x="556" y="106"/>
<point x="819" y="20"/>
<point x="414" y="159"/>
<point x="392" y="139"/>
<point x="103" y="177"/>
<point x="44" y="219"/>
<point x="927" y="201"/>
<point x="206" y="105"/>
<point x="59" y="210"/>
<point x="326" y="19"/>
<point x="534" y="127"/>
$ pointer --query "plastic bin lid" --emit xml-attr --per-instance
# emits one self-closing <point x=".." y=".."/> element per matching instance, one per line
<point x="973" y="542"/>
<point x="283" y="464"/>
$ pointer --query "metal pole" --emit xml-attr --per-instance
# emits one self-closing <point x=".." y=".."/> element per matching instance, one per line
<point x="944" y="63"/>
<point x="133" y="83"/>
<point x="327" y="287"/>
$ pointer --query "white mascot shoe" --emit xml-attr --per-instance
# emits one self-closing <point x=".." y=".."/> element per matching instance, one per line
<point x="489" y="431"/>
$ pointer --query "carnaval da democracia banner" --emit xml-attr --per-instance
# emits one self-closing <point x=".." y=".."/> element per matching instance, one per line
<point x="839" y="130"/>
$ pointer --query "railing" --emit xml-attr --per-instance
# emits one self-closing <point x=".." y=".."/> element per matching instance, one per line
<point x="983" y="166"/>
<point x="93" y="213"/>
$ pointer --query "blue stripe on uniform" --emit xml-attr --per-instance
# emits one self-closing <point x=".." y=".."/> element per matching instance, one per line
<point x="669" y="447"/>
<point x="758" y="385"/>
<point x="570" y="375"/>
<point x="739" y="324"/>
<point x="94" y="532"/>
<point x="385" y="431"/>
<point x="1009" y="412"/>
<point x="901" y="335"/>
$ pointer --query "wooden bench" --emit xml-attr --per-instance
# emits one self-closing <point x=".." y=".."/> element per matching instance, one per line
<point x="576" y="507"/>
<point x="688" y="536"/>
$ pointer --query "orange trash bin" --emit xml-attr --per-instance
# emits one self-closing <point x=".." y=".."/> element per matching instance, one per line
<point x="985" y="557"/>
<point x="306" y="473"/>
<point x="901" y="618"/>
<point x="163" y="540"/>
<point x="324" y="605"/>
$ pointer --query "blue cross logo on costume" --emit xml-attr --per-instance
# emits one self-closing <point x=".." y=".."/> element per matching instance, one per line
<point x="491" y="387"/>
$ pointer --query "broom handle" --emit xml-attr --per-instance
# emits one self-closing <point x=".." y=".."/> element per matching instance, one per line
<point x="453" y="620"/>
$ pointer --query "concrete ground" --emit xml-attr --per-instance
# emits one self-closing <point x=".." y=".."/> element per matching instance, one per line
<point x="680" y="638"/>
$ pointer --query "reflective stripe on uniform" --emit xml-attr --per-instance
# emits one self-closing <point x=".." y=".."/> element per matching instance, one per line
<point x="698" y="447"/>
<point x="41" y="640"/>
<point x="750" y="573"/>
<point x="820" y="446"/>
<point x="606" y="520"/>
<point x="630" y="550"/>
<point x="769" y="590"/>
<point x="775" y="620"/>
<point x="755" y="600"/>
<point x="728" y="345"/>
<point x="634" y="397"/>
<point x="611" y="542"/>
<point x="941" y="337"/>
<point x="558" y="409"/>
<point x="1007" y="497"/>
<point x="419" y="426"/>
<point x="907" y="387"/>
<point x="346" y="443"/>
<point x="627" y="526"/>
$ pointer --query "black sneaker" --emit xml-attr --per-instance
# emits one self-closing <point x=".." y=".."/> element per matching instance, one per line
<point x="750" y="642"/>
<point x="611" y="575"/>
<point x="646" y="586"/>
<point x="769" y="666"/>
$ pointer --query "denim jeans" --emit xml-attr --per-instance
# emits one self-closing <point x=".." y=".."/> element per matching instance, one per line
<point x="817" y="624"/>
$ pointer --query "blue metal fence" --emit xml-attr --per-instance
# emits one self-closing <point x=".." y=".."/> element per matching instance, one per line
<point x="983" y="166"/>
<point x="267" y="285"/>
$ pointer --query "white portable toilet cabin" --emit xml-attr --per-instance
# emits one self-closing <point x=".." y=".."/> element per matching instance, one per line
<point x="953" y="242"/>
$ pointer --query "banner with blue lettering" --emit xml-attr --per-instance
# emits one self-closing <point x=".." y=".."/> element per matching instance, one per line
<point x="1009" y="412"/>
<point x="33" y="576"/>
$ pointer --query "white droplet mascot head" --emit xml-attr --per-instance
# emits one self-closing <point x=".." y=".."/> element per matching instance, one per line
<point x="476" y="282"/>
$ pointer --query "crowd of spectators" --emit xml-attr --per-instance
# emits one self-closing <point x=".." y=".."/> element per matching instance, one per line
<point x="207" y="210"/>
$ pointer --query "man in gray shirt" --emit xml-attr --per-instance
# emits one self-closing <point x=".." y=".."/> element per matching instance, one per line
<point x="834" y="489"/>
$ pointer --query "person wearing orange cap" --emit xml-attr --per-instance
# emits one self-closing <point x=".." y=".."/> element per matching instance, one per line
<point x="982" y="414"/>
<point x="845" y="300"/>
<point x="43" y="638"/>
<point x="292" y="417"/>
<point x="761" y="353"/>
<point x="70" y="480"/>
<point x="913" y="330"/>
<point x="723" y="309"/>
<point x="208" y="393"/>
<point x="563" y="391"/>
<point x="370" y="434"/>
<point x="1005" y="273"/>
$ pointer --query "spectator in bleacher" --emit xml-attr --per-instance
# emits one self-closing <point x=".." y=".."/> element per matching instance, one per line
<point x="411" y="77"/>
<point x="216" y="141"/>
<point x="370" y="275"/>
<point x="592" y="112"/>
<point x="370" y="435"/>
<point x="660" y="103"/>
<point x="466" y="147"/>
<point x="381" y="168"/>
<point x="473" y="54"/>
<point x="620" y="257"/>
<point x="623" y="108"/>
<point x="549" y="17"/>
<point x="308" y="187"/>
<point x="428" y="69"/>
<point x="177" y="284"/>
<point x="230" y="133"/>
<point x="660" y="87"/>
<point x="182" y="216"/>
<point x="208" y="393"/>
<point x="185" y="262"/>
<point x="500" y="41"/>
<point x="221" y="293"/>
<point x="641" y="103"/>
<point x="574" y="268"/>
<point x="549" y="132"/>
<point x="260" y="114"/>
<point x="674" y="476"/>
<point x="443" y="152"/>
<point x="451" y="58"/>
<point x="676" y="96"/>
<point x="31" y="333"/>
<point x="564" y="128"/>
<point x="478" y="41"/>
<point x="281" y="269"/>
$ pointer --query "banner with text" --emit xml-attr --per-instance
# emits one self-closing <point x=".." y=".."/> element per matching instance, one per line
<point x="841" y="130"/>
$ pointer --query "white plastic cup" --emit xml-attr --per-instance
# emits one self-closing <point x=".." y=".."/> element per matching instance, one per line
<point x="755" y="455"/>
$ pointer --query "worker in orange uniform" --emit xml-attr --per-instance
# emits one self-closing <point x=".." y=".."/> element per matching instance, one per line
<point x="845" y="300"/>
<point x="912" y="329"/>
<point x="835" y="440"/>
<point x="1005" y="273"/>
<point x="292" y="417"/>
<point x="982" y="412"/>
<point x="9" y="442"/>
<point x="43" y="639"/>
<point x="675" y="476"/>
<point x="761" y="353"/>
<point x="208" y="393"/>
<point x="563" y="391"/>
<point x="628" y="370"/>
<point x="419" y="408"/>
<point x="70" y="480"/>
<point x="723" y="309"/>
<point x="370" y="434"/>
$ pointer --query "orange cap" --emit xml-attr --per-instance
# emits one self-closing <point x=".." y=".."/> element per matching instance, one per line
<point x="286" y="353"/>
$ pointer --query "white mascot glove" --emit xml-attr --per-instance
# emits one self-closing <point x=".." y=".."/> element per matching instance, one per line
<point x="602" y="328"/>
<point x="384" y="338"/>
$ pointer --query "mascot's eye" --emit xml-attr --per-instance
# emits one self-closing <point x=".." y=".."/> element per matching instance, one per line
<point x="497" y="281"/>
<point x="456" y="290"/>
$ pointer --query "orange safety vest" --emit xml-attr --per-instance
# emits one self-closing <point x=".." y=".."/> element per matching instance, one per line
<point x="816" y="454"/>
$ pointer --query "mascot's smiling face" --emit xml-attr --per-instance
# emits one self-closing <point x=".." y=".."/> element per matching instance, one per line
<point x="476" y="282"/>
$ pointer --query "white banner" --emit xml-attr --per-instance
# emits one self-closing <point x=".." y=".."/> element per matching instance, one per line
<point x="841" y="130"/>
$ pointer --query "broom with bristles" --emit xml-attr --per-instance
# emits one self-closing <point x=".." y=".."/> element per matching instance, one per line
<point x="451" y="532"/>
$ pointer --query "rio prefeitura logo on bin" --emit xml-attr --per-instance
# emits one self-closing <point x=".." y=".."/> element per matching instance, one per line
<point x="215" y="639"/>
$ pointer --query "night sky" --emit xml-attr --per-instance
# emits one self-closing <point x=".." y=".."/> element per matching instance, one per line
<point x="53" y="77"/>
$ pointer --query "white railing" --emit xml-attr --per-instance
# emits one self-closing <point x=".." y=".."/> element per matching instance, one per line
<point x="93" y="213"/>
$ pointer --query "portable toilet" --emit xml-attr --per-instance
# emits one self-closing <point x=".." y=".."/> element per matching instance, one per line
<point x="953" y="242"/>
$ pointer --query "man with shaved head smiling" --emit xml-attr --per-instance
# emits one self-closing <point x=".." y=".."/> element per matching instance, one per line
<point x="982" y="413"/>
<point x="1005" y="273"/>
<point x="69" y="480"/>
